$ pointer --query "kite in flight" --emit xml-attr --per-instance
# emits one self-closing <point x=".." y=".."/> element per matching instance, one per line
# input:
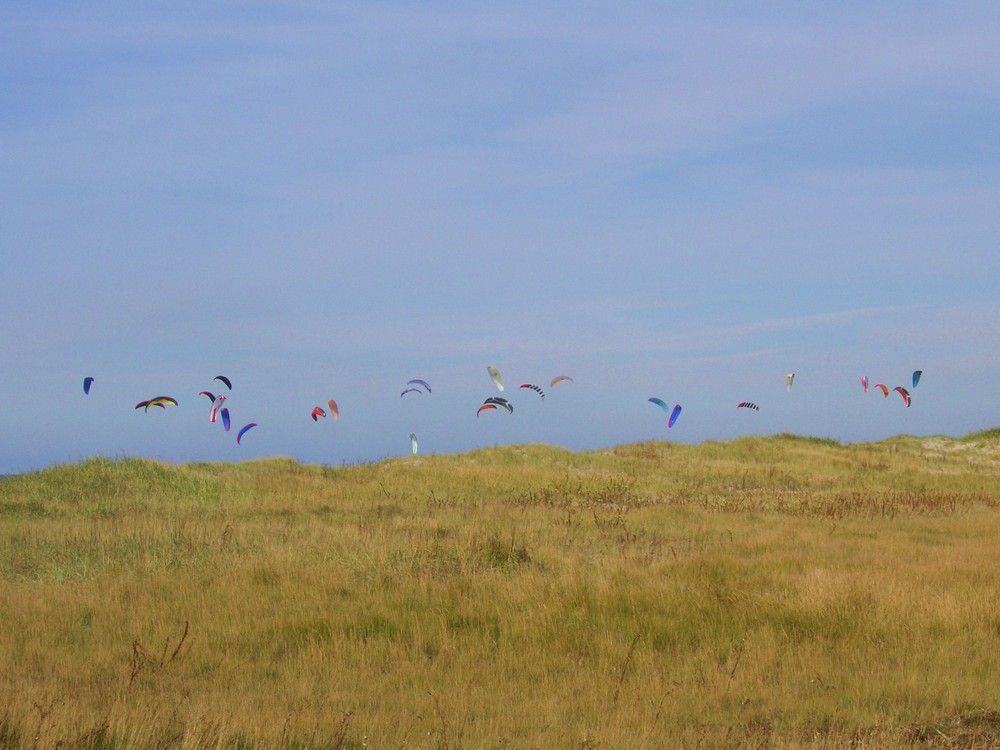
<point x="216" y="406"/>
<point x="160" y="401"/>
<point x="498" y="401"/>
<point x="747" y="405"/>
<point x="87" y="382"/>
<point x="225" y="380"/>
<point x="560" y="379"/>
<point x="495" y="374"/>
<point x="534" y="388"/>
<point x="672" y="414"/>
<point x="242" y="432"/>
<point x="659" y="402"/>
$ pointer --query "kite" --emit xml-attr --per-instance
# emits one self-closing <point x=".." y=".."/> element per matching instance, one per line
<point x="216" y="405"/>
<point x="485" y="407"/>
<point x="884" y="388"/>
<point x="413" y="444"/>
<point x="495" y="374"/>
<point x="534" y="388"/>
<point x="334" y="409"/>
<point x="211" y="396"/>
<point x="317" y="412"/>
<point x="497" y="400"/>
<point x="672" y="414"/>
<point x="243" y="429"/>
<point x="417" y="381"/>
<point x="916" y="377"/>
<point x="410" y="390"/>
<point x="87" y="382"/>
<point x="561" y="379"/>
<point x="788" y="381"/>
<point x="864" y="383"/>
<point x="904" y="393"/>
<point x="747" y="405"/>
<point x="224" y="413"/>
<point x="160" y="401"/>
<point x="225" y="380"/>
<point x="661" y="403"/>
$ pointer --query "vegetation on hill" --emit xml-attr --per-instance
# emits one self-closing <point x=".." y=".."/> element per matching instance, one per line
<point x="762" y="592"/>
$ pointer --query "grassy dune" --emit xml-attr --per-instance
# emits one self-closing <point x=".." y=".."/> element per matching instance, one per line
<point x="763" y="592"/>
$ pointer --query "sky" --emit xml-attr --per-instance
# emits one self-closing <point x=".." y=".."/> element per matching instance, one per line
<point x="324" y="200"/>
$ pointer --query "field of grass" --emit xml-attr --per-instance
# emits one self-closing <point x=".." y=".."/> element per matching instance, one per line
<point x="763" y="592"/>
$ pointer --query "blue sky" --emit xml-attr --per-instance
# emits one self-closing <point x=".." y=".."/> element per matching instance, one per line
<point x="324" y="200"/>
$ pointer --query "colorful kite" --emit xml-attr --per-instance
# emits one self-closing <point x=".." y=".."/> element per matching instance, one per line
<point x="534" y="388"/>
<point x="502" y="402"/>
<point x="161" y="401"/>
<point x="216" y="405"/>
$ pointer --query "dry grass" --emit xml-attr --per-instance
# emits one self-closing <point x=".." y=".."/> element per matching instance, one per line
<point x="765" y="592"/>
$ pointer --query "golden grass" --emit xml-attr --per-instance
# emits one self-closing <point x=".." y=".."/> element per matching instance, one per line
<point x="764" y="592"/>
